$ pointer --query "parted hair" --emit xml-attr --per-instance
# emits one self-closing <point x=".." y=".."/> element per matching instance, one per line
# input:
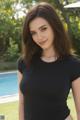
<point x="62" y="43"/>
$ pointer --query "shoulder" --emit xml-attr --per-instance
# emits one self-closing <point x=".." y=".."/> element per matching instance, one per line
<point x="75" y="61"/>
<point x="74" y="67"/>
<point x="21" y="64"/>
<point x="20" y="61"/>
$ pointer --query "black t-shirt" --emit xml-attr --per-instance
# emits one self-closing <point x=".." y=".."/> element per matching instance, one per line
<point x="46" y="86"/>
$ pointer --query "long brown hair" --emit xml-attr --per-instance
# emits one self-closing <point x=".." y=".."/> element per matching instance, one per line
<point x="62" y="43"/>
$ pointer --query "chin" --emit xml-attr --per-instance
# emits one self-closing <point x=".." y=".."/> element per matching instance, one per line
<point x="45" y="48"/>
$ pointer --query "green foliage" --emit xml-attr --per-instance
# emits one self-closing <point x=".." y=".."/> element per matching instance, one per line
<point x="12" y="51"/>
<point x="10" y="29"/>
<point x="75" y="28"/>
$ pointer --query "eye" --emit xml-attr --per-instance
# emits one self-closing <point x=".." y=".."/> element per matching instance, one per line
<point x="33" y="33"/>
<point x="43" y="29"/>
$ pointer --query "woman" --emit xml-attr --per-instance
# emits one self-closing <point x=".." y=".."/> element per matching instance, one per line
<point x="47" y="69"/>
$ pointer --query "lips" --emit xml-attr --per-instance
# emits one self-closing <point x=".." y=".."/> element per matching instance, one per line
<point x="42" y="42"/>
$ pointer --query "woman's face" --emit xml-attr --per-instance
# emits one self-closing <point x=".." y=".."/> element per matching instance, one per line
<point x="42" y="33"/>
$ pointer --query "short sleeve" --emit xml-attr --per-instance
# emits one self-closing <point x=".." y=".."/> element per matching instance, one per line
<point x="74" y="68"/>
<point x="21" y="65"/>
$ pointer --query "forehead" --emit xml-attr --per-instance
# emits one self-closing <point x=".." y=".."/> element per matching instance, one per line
<point x="37" y="23"/>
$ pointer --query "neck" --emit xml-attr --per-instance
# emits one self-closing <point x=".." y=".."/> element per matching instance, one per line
<point x="48" y="53"/>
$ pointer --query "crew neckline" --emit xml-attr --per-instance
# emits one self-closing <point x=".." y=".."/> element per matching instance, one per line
<point x="50" y="62"/>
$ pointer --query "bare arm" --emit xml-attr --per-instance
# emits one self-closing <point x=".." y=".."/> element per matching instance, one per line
<point x="21" y="99"/>
<point x="76" y="95"/>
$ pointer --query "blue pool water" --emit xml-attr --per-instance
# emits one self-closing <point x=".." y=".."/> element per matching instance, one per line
<point x="8" y="83"/>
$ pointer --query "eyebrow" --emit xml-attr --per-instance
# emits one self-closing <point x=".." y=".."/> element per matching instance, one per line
<point x="39" y="27"/>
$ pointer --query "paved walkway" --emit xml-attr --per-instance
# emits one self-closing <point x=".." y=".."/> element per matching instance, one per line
<point x="9" y="98"/>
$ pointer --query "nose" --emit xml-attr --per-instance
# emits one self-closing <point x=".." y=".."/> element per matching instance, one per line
<point x="39" y="36"/>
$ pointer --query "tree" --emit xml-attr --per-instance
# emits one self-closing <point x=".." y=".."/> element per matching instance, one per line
<point x="5" y="21"/>
<point x="9" y="25"/>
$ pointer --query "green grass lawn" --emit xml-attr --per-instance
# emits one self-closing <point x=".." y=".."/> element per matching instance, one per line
<point x="10" y="110"/>
<point x="72" y="107"/>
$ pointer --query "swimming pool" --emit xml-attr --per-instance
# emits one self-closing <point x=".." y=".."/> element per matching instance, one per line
<point x="8" y="83"/>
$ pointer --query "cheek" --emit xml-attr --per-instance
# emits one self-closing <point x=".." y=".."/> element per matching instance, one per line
<point x="34" y="38"/>
<point x="50" y="33"/>
<point x="52" y="36"/>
